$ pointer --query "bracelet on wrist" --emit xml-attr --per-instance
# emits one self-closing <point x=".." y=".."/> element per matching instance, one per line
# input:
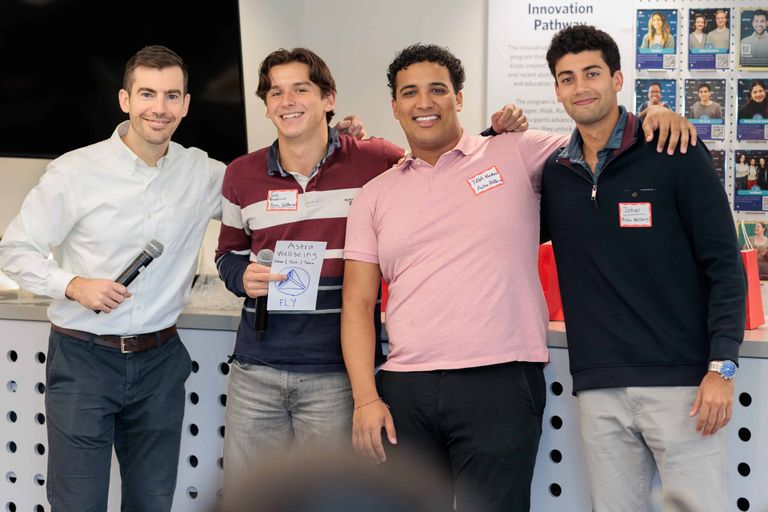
<point x="377" y="399"/>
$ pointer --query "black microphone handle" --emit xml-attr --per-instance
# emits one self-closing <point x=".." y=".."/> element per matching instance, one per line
<point x="260" y="323"/>
<point x="132" y="271"/>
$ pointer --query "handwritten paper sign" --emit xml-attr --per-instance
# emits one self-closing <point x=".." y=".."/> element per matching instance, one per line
<point x="302" y="262"/>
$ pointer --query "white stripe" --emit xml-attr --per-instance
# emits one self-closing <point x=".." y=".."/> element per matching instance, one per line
<point x="315" y="312"/>
<point x="328" y="204"/>
<point x="231" y="214"/>
<point x="244" y="252"/>
<point x="333" y="254"/>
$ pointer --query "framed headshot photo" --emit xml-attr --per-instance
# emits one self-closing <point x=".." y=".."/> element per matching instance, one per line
<point x="750" y="180"/>
<point x="709" y="38"/>
<point x="655" y="92"/>
<point x="753" y="38"/>
<point x="705" y="106"/>
<point x="752" y="104"/>
<point x="656" y="39"/>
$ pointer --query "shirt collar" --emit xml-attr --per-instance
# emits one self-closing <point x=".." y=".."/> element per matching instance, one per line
<point x="467" y="145"/>
<point x="127" y="157"/>
<point x="273" y="156"/>
<point x="574" y="152"/>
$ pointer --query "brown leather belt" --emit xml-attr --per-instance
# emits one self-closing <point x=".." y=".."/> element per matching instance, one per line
<point x="125" y="344"/>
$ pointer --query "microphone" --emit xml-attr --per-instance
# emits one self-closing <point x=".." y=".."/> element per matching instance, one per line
<point x="152" y="250"/>
<point x="264" y="257"/>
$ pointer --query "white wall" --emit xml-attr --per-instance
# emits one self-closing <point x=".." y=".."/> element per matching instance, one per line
<point x="357" y="39"/>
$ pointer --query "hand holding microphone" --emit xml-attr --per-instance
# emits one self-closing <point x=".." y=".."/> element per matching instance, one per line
<point x="105" y="295"/>
<point x="256" y="281"/>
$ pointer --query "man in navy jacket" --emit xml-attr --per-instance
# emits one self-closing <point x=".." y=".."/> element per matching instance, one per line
<point x="653" y="291"/>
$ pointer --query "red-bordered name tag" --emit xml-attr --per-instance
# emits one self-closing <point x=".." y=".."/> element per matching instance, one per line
<point x="635" y="215"/>
<point x="486" y="180"/>
<point x="282" y="200"/>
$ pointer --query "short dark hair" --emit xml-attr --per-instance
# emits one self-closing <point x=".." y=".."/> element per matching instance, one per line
<point x="426" y="53"/>
<point x="319" y="74"/>
<point x="154" y="56"/>
<point x="703" y="85"/>
<point x="657" y="84"/>
<point x="759" y="12"/>
<point x="582" y="38"/>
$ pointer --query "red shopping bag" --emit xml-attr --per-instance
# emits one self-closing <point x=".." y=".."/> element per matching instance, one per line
<point x="755" y="315"/>
<point x="749" y="255"/>
<point x="548" y="277"/>
<point x="384" y="295"/>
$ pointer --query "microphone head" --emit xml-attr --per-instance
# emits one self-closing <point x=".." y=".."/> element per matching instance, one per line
<point x="154" y="248"/>
<point x="264" y="257"/>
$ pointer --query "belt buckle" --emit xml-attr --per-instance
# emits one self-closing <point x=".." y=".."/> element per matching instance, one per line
<point x="122" y="343"/>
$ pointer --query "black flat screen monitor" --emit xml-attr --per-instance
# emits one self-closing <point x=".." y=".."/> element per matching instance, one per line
<point x="62" y="63"/>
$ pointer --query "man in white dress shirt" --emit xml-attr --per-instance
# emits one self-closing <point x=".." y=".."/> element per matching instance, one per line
<point x="118" y="377"/>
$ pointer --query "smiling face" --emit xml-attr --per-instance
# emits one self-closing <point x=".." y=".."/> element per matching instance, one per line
<point x="657" y="23"/>
<point x="585" y="87"/>
<point x="427" y="108"/>
<point x="699" y="24"/>
<point x="704" y="94"/>
<point x="155" y="106"/>
<point x="759" y="23"/>
<point x="654" y="95"/>
<point x="720" y="19"/>
<point x="296" y="105"/>
<point x="757" y="93"/>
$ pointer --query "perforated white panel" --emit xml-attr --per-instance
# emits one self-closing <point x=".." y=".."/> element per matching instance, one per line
<point x="559" y="482"/>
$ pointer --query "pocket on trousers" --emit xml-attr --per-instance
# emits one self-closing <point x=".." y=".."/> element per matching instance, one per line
<point x="54" y="348"/>
<point x="188" y="358"/>
<point x="533" y="373"/>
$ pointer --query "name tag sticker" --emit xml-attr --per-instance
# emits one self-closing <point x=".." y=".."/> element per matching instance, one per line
<point x="282" y="200"/>
<point x="635" y="215"/>
<point x="486" y="180"/>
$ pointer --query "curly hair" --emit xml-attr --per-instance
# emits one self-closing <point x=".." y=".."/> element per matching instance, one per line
<point x="582" y="38"/>
<point x="319" y="74"/>
<point x="426" y="53"/>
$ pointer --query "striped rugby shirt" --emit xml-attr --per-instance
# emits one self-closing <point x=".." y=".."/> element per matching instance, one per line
<point x="296" y="341"/>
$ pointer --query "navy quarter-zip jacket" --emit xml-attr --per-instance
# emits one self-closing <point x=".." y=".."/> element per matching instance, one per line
<point x="651" y="305"/>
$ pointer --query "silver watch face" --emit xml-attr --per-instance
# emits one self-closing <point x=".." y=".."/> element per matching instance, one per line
<point x="728" y="370"/>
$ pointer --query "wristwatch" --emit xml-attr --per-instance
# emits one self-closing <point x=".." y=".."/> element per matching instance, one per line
<point x="726" y="369"/>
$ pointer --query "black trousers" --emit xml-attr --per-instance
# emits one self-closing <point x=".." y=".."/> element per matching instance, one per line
<point x="479" y="426"/>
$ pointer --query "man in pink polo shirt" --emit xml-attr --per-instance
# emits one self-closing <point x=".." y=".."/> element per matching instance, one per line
<point x="454" y="229"/>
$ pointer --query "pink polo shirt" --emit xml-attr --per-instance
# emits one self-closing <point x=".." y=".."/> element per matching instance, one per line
<point x="458" y="244"/>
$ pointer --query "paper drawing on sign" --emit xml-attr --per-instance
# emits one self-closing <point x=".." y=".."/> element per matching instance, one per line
<point x="296" y="283"/>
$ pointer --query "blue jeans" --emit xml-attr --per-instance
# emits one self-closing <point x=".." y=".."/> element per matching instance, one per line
<point x="96" y="397"/>
<point x="271" y="411"/>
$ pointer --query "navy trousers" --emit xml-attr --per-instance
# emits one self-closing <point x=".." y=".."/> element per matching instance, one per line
<point x="96" y="397"/>
<point x="479" y="426"/>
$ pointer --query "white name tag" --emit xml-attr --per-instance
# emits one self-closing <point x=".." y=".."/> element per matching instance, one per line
<point x="486" y="180"/>
<point x="635" y="215"/>
<point x="282" y="200"/>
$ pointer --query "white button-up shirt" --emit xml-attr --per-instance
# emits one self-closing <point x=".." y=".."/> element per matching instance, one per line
<point x="95" y="209"/>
